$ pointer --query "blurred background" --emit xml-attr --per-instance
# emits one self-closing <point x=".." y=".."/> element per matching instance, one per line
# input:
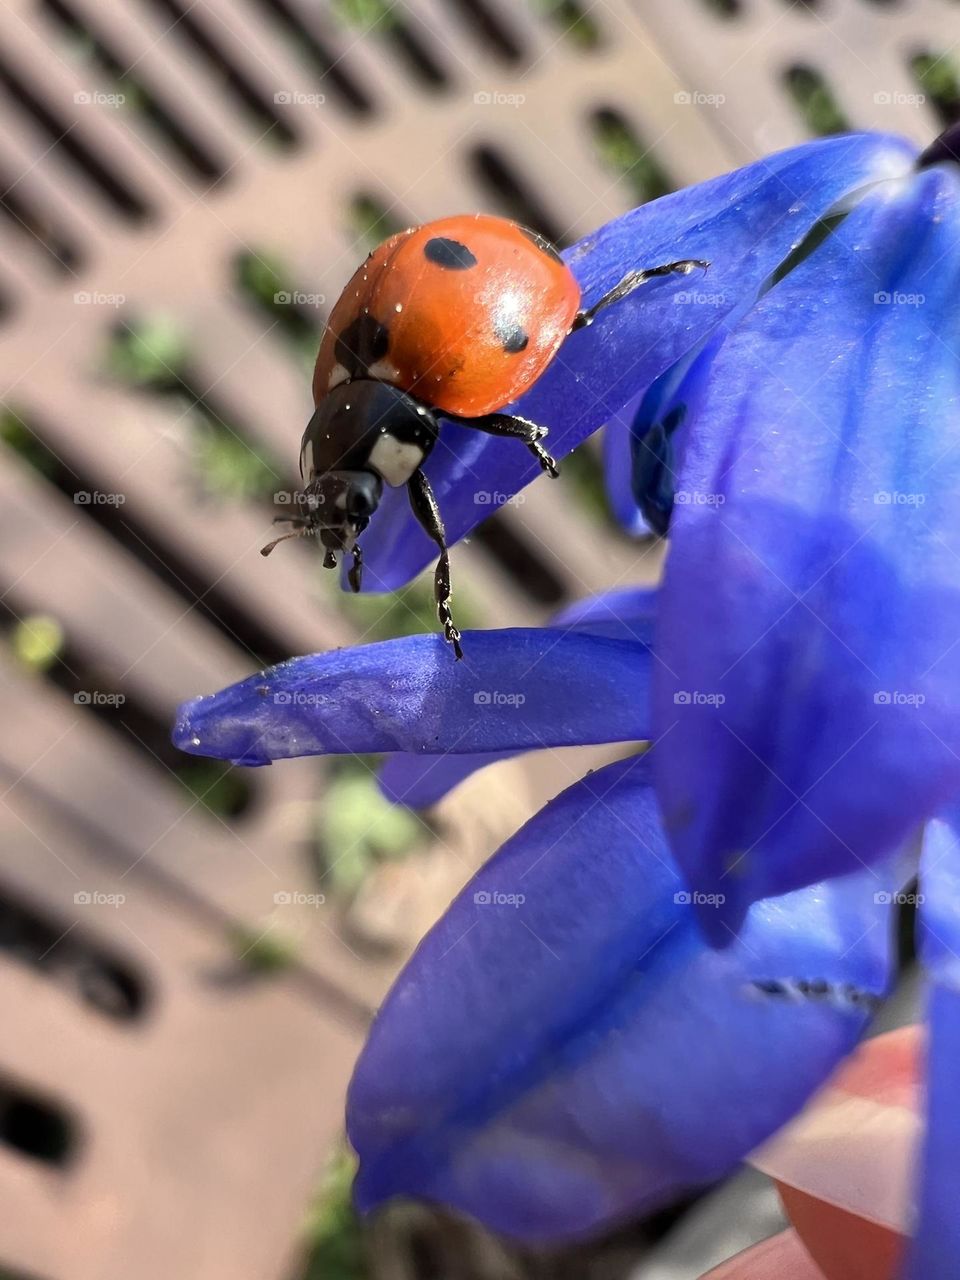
<point x="189" y="953"/>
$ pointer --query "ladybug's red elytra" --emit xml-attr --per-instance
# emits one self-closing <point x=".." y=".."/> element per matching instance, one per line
<point x="454" y="319"/>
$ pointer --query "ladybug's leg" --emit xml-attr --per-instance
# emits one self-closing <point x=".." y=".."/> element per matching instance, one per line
<point x="355" y="572"/>
<point x="425" y="508"/>
<point x="633" y="280"/>
<point x="506" y="424"/>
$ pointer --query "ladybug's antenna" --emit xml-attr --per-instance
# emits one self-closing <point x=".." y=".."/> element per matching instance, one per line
<point x="305" y="529"/>
<point x="297" y="533"/>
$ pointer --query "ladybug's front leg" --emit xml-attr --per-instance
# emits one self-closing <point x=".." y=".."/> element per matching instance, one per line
<point x="424" y="504"/>
<point x="633" y="280"/>
<point x="355" y="572"/>
<point x="509" y="424"/>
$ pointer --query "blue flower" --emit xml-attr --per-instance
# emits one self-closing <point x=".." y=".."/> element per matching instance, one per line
<point x="565" y="1046"/>
<point x="745" y="223"/>
<point x="807" y="705"/>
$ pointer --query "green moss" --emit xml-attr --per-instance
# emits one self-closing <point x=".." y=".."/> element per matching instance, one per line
<point x="266" y="953"/>
<point x="334" y="1233"/>
<point x="151" y="353"/>
<point x="270" y="288"/>
<point x="230" y="468"/>
<point x="16" y="435"/>
<point x="937" y="77"/>
<point x="359" y="828"/>
<point x="573" y="20"/>
<point x="218" y="786"/>
<point x="370" y="222"/>
<point x="816" y="102"/>
<point x="621" y="150"/>
<point x="366" y="14"/>
<point x="37" y="641"/>
<point x="583" y="471"/>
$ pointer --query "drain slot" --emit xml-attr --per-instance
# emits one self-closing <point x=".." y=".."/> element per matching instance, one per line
<point x="503" y="183"/>
<point x="519" y="559"/>
<point x="37" y="228"/>
<point x="96" y="691"/>
<point x="814" y="99"/>
<point x="141" y="101"/>
<point x="495" y="34"/>
<point x="939" y="79"/>
<point x="64" y="138"/>
<point x="98" y="981"/>
<point x="163" y="560"/>
<point x="34" y="1127"/>
<point x="329" y="69"/>
<point x="185" y="26"/>
<point x="620" y="149"/>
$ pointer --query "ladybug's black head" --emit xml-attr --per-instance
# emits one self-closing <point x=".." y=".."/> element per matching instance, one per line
<point x="368" y="425"/>
<point x="337" y="506"/>
<point x="363" y="434"/>
<point x="340" y="504"/>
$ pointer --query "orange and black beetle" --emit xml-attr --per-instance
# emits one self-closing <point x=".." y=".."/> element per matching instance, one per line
<point x="454" y="319"/>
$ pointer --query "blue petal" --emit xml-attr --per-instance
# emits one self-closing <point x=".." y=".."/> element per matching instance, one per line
<point x="935" y="1248"/>
<point x="745" y="223"/>
<point x="564" y="1048"/>
<point x="936" y="1243"/>
<point x="514" y="690"/>
<point x="617" y="465"/>
<point x="940" y="886"/>
<point x="421" y="780"/>
<point x="807" y="696"/>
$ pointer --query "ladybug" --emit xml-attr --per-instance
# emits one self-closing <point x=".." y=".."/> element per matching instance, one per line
<point x="454" y="319"/>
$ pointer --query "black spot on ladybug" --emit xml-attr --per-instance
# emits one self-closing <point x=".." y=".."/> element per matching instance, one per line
<point x="542" y="243"/>
<point x="512" y="335"/>
<point x="363" y="342"/>
<point x="449" y="253"/>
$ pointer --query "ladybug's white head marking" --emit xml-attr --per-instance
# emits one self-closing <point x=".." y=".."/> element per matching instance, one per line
<point x="395" y="460"/>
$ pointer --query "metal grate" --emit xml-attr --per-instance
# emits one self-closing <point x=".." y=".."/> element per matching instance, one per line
<point x="186" y="186"/>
